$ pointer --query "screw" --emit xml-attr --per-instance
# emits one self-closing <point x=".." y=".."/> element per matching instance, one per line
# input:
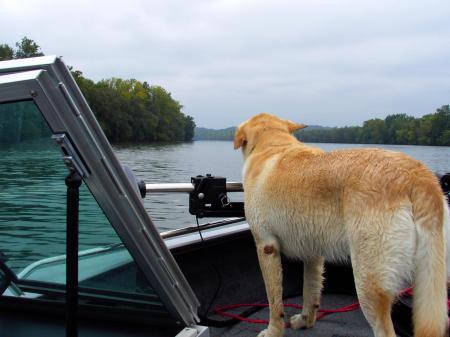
<point x="33" y="93"/>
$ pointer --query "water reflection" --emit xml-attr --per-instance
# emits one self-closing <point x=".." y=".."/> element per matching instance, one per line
<point x="33" y="205"/>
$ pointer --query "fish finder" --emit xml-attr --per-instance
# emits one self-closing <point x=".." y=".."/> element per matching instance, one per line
<point x="209" y="198"/>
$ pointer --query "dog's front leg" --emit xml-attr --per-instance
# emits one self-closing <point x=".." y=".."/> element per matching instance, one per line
<point x="270" y="263"/>
<point x="312" y="287"/>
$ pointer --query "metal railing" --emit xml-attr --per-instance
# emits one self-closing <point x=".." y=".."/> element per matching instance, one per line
<point x="187" y="187"/>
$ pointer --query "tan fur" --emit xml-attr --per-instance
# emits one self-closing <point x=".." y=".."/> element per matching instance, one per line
<point x="383" y="209"/>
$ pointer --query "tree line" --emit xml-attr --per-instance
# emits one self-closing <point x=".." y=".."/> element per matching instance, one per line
<point x="134" y="111"/>
<point x="212" y="134"/>
<point x="128" y="110"/>
<point x="430" y="129"/>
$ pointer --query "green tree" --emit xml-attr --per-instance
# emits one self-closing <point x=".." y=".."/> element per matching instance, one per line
<point x="27" y="48"/>
<point x="134" y="111"/>
<point x="424" y="130"/>
<point x="440" y="125"/>
<point x="24" y="49"/>
<point x="6" y="52"/>
<point x="398" y="129"/>
<point x="444" y="138"/>
<point x="373" y="131"/>
<point x="189" y="127"/>
<point x="171" y="126"/>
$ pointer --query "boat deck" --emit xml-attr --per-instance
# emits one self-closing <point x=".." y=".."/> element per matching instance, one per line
<point x="225" y="271"/>
<point x="348" y="324"/>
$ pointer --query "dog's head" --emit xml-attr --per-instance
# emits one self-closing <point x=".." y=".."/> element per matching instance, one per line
<point x="249" y="133"/>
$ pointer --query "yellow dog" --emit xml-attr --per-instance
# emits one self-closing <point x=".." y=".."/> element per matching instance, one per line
<point x="383" y="209"/>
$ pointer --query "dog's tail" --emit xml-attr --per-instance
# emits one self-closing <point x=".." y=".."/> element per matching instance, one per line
<point x="431" y="216"/>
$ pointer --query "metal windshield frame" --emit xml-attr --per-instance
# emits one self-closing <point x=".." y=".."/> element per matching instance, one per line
<point x="48" y="82"/>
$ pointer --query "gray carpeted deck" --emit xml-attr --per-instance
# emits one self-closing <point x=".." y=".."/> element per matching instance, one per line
<point x="349" y="324"/>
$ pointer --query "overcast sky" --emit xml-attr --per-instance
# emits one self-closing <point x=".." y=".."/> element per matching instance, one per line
<point x="331" y="63"/>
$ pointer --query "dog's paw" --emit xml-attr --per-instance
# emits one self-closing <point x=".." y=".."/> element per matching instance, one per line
<point x="270" y="332"/>
<point x="263" y="333"/>
<point x="301" y="322"/>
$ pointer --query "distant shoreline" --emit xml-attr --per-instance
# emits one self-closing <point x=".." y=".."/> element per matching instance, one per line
<point x="399" y="129"/>
<point x="371" y="144"/>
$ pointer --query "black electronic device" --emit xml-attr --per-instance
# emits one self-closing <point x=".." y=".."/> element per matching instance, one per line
<point x="209" y="198"/>
<point x="444" y="180"/>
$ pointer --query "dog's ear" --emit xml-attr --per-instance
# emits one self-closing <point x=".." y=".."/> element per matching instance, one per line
<point x="239" y="138"/>
<point x="294" y="126"/>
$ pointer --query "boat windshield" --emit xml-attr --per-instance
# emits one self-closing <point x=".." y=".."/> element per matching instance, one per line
<point x="46" y="128"/>
<point x="33" y="220"/>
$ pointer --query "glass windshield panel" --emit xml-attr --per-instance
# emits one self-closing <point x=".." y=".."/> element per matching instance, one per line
<point x="31" y="198"/>
<point x="33" y="216"/>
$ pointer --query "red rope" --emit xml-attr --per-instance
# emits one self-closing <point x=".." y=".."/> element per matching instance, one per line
<point x="322" y="312"/>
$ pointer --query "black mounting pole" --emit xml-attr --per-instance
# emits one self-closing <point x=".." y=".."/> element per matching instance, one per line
<point x="73" y="182"/>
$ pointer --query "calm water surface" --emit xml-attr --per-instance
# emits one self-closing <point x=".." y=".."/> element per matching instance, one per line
<point x="32" y="191"/>
<point x="178" y="162"/>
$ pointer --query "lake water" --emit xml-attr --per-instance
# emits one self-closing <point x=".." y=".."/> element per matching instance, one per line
<point x="179" y="162"/>
<point x="32" y="191"/>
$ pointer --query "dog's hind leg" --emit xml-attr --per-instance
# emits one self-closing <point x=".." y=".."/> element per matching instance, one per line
<point x="376" y="304"/>
<point x="312" y="288"/>
<point x="382" y="242"/>
<point x="270" y="262"/>
<point x="372" y="272"/>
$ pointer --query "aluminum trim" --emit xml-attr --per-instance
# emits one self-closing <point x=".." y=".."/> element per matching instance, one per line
<point x="26" y="63"/>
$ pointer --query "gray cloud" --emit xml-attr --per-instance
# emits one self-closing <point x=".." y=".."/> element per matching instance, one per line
<point x="318" y="62"/>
